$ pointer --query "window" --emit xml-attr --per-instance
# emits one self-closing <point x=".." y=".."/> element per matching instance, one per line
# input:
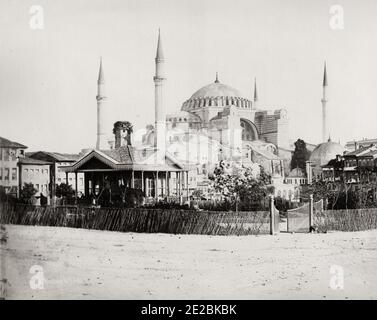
<point x="6" y="173"/>
<point x="37" y="171"/>
<point x="14" y="174"/>
<point x="13" y="154"/>
<point x="6" y="154"/>
<point x="1" y="154"/>
<point x="37" y="186"/>
<point x="1" y="172"/>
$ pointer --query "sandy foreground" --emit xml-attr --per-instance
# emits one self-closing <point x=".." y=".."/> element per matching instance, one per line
<point x="89" y="264"/>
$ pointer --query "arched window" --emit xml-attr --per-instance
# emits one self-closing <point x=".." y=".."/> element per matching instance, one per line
<point x="248" y="132"/>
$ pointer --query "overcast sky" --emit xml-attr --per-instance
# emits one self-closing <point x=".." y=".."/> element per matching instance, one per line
<point x="48" y="77"/>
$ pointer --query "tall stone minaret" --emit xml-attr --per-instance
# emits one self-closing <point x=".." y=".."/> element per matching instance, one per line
<point x="255" y="93"/>
<point x="159" y="106"/>
<point x="101" y="111"/>
<point x="324" y="100"/>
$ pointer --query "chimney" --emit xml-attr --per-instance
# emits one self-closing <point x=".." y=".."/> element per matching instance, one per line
<point x="123" y="133"/>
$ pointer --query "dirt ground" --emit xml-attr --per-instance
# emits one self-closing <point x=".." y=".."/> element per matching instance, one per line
<point x="89" y="264"/>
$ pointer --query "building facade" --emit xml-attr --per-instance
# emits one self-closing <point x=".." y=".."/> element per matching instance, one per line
<point x="9" y="171"/>
<point x="57" y="175"/>
<point x="36" y="172"/>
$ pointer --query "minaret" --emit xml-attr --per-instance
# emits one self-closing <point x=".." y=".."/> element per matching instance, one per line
<point x="255" y="92"/>
<point x="324" y="101"/>
<point x="101" y="109"/>
<point x="160" y="110"/>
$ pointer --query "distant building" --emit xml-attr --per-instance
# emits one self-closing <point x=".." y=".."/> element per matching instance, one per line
<point x="16" y="169"/>
<point x="36" y="172"/>
<point x="296" y="177"/>
<point x="360" y="166"/>
<point x="9" y="171"/>
<point x="356" y="144"/>
<point x="57" y="175"/>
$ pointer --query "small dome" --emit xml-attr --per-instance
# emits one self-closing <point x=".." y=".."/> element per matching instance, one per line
<point x="325" y="152"/>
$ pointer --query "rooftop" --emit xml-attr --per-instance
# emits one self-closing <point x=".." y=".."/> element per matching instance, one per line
<point x="53" y="156"/>
<point x="5" y="143"/>
<point x="27" y="160"/>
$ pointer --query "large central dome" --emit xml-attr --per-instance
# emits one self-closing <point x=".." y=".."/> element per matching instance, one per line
<point x="216" y="89"/>
<point x="216" y="95"/>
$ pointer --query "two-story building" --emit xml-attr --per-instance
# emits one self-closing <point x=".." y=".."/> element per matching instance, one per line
<point x="9" y="171"/>
<point x="36" y="172"/>
<point x="57" y="175"/>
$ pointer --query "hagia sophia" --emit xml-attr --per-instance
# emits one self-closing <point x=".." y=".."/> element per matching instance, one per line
<point x="216" y="123"/>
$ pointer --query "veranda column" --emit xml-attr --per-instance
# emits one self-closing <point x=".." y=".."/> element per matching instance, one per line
<point x="133" y="179"/>
<point x="272" y="216"/>
<point x="142" y="181"/>
<point x="166" y="184"/>
<point x="311" y="212"/>
<point x="155" y="186"/>
<point x="187" y="183"/>
<point x="176" y="184"/>
<point x="76" y="184"/>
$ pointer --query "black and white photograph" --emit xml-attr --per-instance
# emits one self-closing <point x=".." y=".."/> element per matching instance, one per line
<point x="162" y="150"/>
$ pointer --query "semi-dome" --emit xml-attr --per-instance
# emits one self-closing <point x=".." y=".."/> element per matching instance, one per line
<point x="325" y="152"/>
<point x="216" y="95"/>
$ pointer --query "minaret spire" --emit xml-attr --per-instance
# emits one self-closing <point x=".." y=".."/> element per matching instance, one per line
<point x="255" y="92"/>
<point x="101" y="76"/>
<point x="324" y="105"/>
<point x="160" y="109"/>
<point x="324" y="77"/>
<point x="101" y="110"/>
<point x="160" y="52"/>
<point x="217" y="77"/>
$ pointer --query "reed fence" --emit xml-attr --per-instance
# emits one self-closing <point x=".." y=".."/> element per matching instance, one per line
<point x="139" y="219"/>
<point x="346" y="220"/>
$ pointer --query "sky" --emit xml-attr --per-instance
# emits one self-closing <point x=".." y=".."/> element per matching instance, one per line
<point x="48" y="76"/>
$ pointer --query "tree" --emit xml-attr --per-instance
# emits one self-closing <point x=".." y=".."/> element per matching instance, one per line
<point x="27" y="193"/>
<point x="64" y="190"/>
<point x="244" y="186"/>
<point x="198" y="194"/>
<point x="300" y="155"/>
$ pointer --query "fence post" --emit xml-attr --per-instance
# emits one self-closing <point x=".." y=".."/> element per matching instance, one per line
<point x="272" y="215"/>
<point x="311" y="212"/>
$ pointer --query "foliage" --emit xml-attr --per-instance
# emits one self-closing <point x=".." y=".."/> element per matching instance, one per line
<point x="283" y="204"/>
<point x="341" y="196"/>
<point x="125" y="125"/>
<point x="27" y="193"/>
<point x="64" y="190"/>
<point x="197" y="194"/>
<point x="300" y="155"/>
<point x="134" y="198"/>
<point x="244" y="187"/>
